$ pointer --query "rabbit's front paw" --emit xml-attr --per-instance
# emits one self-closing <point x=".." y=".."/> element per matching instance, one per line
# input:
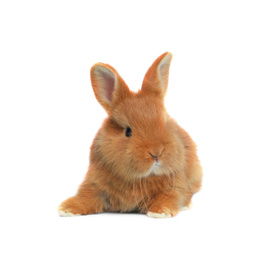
<point x="161" y="212"/>
<point x="189" y="206"/>
<point x="66" y="212"/>
<point x="70" y="208"/>
<point x="157" y="215"/>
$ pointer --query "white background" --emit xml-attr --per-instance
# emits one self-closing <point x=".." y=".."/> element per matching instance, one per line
<point x="222" y="90"/>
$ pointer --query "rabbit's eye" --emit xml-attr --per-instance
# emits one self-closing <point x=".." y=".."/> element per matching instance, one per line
<point x="128" y="132"/>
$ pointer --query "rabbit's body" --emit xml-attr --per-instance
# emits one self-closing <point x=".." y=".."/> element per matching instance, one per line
<point x="141" y="160"/>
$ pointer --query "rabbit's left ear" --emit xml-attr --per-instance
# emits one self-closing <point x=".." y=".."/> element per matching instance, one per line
<point x="109" y="88"/>
<point x="156" y="78"/>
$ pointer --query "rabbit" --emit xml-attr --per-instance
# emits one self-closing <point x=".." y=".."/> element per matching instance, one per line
<point x="141" y="160"/>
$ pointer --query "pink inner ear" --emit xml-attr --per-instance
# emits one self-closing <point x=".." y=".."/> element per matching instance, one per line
<point x="106" y="81"/>
<point x="109" y="87"/>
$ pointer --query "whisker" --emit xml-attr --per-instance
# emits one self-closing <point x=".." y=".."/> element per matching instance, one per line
<point x="135" y="193"/>
<point x="172" y="186"/>
<point x="142" y="194"/>
<point x="188" y="182"/>
<point x="145" y="188"/>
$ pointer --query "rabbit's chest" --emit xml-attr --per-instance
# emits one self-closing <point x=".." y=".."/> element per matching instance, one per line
<point x="131" y="196"/>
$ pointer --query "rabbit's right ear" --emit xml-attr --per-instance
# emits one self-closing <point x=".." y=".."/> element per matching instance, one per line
<point x="109" y="88"/>
<point x="156" y="78"/>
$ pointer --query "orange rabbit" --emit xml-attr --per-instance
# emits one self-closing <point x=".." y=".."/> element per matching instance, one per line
<point x="141" y="160"/>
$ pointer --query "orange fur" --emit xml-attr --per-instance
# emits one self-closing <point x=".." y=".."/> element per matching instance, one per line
<point x="122" y="176"/>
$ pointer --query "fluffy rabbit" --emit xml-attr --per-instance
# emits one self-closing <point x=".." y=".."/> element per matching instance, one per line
<point x="141" y="160"/>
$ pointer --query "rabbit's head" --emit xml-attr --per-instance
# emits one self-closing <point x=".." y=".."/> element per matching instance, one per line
<point x="138" y="139"/>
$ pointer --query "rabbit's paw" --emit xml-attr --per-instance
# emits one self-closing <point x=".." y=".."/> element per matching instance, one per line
<point x="161" y="212"/>
<point x="67" y="214"/>
<point x="80" y="205"/>
<point x="157" y="215"/>
<point x="190" y="206"/>
<point x="73" y="206"/>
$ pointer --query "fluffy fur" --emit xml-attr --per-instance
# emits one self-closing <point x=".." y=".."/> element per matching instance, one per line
<point x="154" y="171"/>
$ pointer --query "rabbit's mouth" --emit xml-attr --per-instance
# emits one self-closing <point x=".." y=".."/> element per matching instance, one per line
<point x="156" y="168"/>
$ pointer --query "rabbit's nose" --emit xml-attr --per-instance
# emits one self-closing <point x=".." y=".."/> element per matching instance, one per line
<point x="155" y="154"/>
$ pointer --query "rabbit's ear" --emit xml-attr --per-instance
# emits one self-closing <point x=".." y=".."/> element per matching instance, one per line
<point x="109" y="88"/>
<point x="156" y="78"/>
